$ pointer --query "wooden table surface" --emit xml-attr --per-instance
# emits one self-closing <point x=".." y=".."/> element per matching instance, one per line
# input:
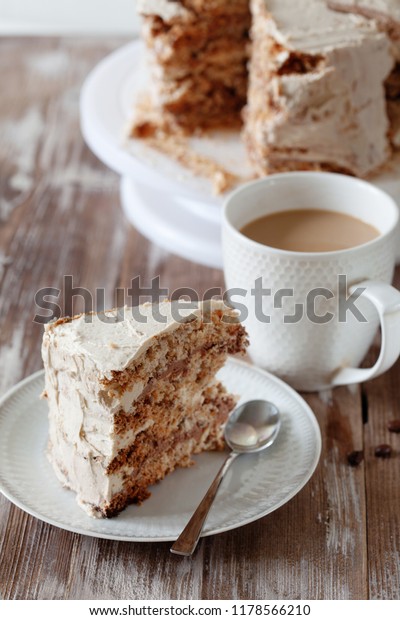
<point x="339" y="538"/>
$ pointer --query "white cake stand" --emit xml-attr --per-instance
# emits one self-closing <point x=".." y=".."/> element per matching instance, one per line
<point x="163" y="200"/>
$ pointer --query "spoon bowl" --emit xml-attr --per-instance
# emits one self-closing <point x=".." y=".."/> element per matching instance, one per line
<point x="252" y="426"/>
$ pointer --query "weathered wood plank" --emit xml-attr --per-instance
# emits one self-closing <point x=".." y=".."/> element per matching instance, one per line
<point x="382" y="487"/>
<point x="382" y="404"/>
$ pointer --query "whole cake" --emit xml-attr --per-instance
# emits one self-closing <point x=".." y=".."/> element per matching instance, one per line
<point x="132" y="395"/>
<point x="315" y="82"/>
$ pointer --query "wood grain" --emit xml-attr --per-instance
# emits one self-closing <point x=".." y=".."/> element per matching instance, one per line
<point x="60" y="215"/>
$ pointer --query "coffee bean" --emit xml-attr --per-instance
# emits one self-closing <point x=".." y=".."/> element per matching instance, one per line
<point x="384" y="451"/>
<point x="394" y="426"/>
<point x="355" y="458"/>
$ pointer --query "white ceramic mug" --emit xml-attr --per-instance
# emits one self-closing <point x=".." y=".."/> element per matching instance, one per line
<point x="316" y="337"/>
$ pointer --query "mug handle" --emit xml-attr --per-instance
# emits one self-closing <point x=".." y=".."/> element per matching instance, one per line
<point x="386" y="300"/>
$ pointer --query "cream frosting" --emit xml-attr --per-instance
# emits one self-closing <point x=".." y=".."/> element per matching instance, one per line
<point x="77" y="355"/>
<point x="312" y="27"/>
<point x="385" y="12"/>
<point x="386" y="7"/>
<point x="334" y="114"/>
<point x="168" y="10"/>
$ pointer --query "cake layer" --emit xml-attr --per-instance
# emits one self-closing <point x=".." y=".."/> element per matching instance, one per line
<point x="156" y="468"/>
<point x="208" y="63"/>
<point x="182" y="44"/>
<point x="189" y="111"/>
<point x="316" y="94"/>
<point x="207" y="90"/>
<point x="181" y="388"/>
<point x="209" y="412"/>
<point x="199" y="103"/>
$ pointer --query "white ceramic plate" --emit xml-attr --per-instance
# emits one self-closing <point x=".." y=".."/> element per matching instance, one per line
<point x="255" y="486"/>
<point x="162" y="199"/>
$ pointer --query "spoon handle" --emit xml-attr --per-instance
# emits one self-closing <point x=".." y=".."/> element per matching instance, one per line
<point x="188" y="539"/>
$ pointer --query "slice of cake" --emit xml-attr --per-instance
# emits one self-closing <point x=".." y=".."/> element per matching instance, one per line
<point x="316" y="95"/>
<point x="132" y="395"/>
<point x="386" y="14"/>
<point x="197" y="52"/>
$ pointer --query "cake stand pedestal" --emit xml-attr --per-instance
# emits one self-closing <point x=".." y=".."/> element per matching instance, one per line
<point x="180" y="226"/>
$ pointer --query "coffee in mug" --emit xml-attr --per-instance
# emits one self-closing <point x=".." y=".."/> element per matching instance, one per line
<point x="310" y="230"/>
